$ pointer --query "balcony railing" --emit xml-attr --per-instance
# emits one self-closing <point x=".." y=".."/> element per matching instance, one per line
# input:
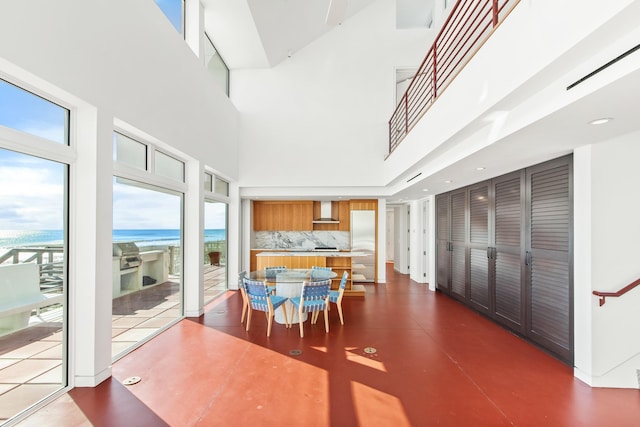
<point x="50" y="260"/>
<point x="467" y="27"/>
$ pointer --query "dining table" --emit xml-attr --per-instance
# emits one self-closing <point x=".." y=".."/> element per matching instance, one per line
<point x="289" y="284"/>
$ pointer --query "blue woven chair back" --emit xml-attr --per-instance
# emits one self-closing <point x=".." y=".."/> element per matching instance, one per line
<point x="258" y="294"/>
<point x="343" y="282"/>
<point x="241" y="277"/>
<point x="270" y="272"/>
<point x="315" y="295"/>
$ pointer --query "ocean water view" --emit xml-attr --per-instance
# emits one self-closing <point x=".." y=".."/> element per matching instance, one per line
<point x="143" y="237"/>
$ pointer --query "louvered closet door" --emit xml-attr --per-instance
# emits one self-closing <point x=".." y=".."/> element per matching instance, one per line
<point x="442" y="238"/>
<point x="458" y="244"/>
<point x="549" y="287"/>
<point x="478" y="246"/>
<point x="508" y="278"/>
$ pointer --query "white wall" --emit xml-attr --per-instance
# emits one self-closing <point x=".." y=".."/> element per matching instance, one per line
<point x="117" y="61"/>
<point x="402" y="243"/>
<point x="529" y="85"/>
<point x="321" y="115"/>
<point x="125" y="58"/>
<point x="607" y="344"/>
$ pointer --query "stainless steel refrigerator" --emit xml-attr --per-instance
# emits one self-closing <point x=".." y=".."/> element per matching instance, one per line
<point x="363" y="240"/>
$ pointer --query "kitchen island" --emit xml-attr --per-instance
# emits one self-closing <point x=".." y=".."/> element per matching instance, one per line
<point x="339" y="261"/>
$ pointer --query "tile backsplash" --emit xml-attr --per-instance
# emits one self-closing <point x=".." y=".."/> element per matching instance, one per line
<point x="302" y="240"/>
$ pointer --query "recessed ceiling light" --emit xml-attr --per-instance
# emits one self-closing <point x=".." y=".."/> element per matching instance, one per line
<point x="448" y="181"/>
<point x="425" y="189"/>
<point x="600" y="121"/>
<point x="480" y="168"/>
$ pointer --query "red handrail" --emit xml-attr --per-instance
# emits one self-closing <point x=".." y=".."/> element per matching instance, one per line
<point x="621" y="292"/>
<point x="469" y="24"/>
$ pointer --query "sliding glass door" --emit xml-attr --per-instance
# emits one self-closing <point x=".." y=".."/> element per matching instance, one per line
<point x="215" y="249"/>
<point x="146" y="263"/>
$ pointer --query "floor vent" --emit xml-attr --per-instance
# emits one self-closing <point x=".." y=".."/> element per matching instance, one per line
<point x="608" y="64"/>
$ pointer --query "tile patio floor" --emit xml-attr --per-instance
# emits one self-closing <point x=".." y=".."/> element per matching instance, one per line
<point x="31" y="359"/>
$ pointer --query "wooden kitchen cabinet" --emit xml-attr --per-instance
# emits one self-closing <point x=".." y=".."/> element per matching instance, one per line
<point x="279" y="215"/>
<point x="344" y="214"/>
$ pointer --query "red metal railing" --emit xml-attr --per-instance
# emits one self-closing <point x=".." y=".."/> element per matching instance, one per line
<point x="469" y="24"/>
<point x="621" y="292"/>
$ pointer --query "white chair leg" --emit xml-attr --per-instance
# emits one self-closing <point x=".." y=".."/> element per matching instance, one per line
<point x="326" y="318"/>
<point x="340" y="313"/>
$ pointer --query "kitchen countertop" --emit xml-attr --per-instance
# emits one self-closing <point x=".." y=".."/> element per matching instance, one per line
<point x="314" y="253"/>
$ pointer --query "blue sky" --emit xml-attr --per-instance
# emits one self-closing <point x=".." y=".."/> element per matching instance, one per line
<point x="29" y="113"/>
<point x="32" y="189"/>
<point x="31" y="192"/>
<point x="173" y="11"/>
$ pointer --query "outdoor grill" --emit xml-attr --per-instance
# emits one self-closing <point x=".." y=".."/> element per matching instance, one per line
<point x="129" y="254"/>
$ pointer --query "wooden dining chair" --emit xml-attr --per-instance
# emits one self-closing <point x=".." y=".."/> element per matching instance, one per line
<point x="336" y="296"/>
<point x="313" y="299"/>
<point x="243" y="292"/>
<point x="261" y="300"/>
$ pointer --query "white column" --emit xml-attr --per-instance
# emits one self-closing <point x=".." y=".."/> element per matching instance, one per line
<point x="234" y="236"/>
<point x="90" y="226"/>
<point x="431" y="254"/>
<point x="382" y="242"/>
<point x="582" y="297"/>
<point x="193" y="261"/>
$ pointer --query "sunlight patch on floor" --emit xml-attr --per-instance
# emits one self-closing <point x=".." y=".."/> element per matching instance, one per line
<point x="368" y="361"/>
<point x="375" y="407"/>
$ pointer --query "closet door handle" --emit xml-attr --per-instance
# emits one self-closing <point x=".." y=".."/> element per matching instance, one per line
<point x="494" y="253"/>
<point x="527" y="258"/>
<point x="489" y="252"/>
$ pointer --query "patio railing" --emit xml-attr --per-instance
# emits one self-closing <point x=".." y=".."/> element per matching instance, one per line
<point x="467" y="27"/>
<point x="50" y="259"/>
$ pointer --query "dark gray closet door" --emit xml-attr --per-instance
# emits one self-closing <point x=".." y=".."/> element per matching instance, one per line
<point x="549" y="255"/>
<point x="479" y="251"/>
<point x="508" y="217"/>
<point x="443" y="259"/>
<point x="458" y="244"/>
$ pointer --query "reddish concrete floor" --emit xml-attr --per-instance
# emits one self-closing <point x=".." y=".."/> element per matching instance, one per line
<point x="437" y="363"/>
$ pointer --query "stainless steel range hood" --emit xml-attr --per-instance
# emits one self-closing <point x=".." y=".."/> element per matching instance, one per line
<point x="325" y="215"/>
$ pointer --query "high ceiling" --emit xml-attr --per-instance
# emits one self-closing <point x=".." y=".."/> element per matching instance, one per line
<point x="262" y="33"/>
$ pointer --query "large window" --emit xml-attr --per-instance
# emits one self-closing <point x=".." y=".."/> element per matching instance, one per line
<point x="145" y="157"/>
<point x="215" y="248"/>
<point x="215" y="185"/>
<point x="147" y="262"/>
<point x="26" y="112"/>
<point x="174" y="11"/>
<point x="148" y="189"/>
<point x="215" y="236"/>
<point x="129" y="151"/>
<point x="33" y="256"/>
<point x="216" y="66"/>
